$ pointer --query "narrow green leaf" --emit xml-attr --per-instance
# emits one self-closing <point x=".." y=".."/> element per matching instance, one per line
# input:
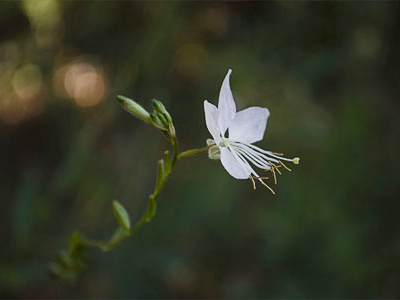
<point x="122" y="216"/>
<point x="168" y="164"/>
<point x="161" y="173"/>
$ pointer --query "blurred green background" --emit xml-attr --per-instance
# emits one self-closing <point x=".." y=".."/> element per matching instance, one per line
<point x="328" y="72"/>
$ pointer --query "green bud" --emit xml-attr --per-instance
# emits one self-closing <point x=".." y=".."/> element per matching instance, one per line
<point x="160" y="108"/>
<point x="171" y="129"/>
<point x="122" y="216"/>
<point x="134" y="108"/>
<point x="210" y="142"/>
<point x="155" y="120"/>
<point x="163" y="119"/>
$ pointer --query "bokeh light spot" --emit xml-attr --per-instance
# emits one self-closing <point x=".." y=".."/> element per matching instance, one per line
<point x="84" y="83"/>
<point x="27" y="81"/>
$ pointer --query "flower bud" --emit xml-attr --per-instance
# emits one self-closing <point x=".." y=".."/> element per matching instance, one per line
<point x="214" y="152"/>
<point x="163" y="115"/>
<point x="134" y="108"/>
<point x="210" y="142"/>
<point x="160" y="108"/>
<point x="155" y="120"/>
<point x="163" y="119"/>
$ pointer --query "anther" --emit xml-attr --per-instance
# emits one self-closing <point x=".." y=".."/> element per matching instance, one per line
<point x="266" y="185"/>
<point x="276" y="153"/>
<point x="262" y="182"/>
<point x="276" y="168"/>
<point x="254" y="183"/>
<point x="283" y="165"/>
<point x="273" y="172"/>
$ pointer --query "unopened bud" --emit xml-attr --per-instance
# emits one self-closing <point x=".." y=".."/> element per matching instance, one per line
<point x="171" y="129"/>
<point x="210" y="142"/>
<point x="134" y="108"/>
<point x="214" y="152"/>
<point x="163" y="119"/>
<point x="155" y="120"/>
<point x="160" y="108"/>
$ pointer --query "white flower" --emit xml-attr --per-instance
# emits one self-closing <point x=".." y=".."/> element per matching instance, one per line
<point x="245" y="128"/>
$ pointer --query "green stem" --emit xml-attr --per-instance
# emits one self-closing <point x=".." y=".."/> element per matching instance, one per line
<point x="192" y="152"/>
<point x="175" y="155"/>
<point x="163" y="173"/>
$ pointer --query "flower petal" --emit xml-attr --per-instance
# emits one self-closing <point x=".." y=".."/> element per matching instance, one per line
<point x="249" y="125"/>
<point x="211" y="113"/>
<point x="226" y="105"/>
<point x="231" y="164"/>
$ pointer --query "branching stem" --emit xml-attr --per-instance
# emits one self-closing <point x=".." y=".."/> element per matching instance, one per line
<point x="78" y="243"/>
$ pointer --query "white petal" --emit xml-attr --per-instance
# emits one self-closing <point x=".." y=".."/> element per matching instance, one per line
<point x="231" y="164"/>
<point x="226" y="105"/>
<point x="249" y="125"/>
<point x="211" y="112"/>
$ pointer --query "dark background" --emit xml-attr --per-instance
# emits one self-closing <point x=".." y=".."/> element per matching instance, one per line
<point x="328" y="72"/>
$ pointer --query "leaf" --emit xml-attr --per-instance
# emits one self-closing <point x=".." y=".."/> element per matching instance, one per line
<point x="161" y="174"/>
<point x="168" y="164"/>
<point x="122" y="216"/>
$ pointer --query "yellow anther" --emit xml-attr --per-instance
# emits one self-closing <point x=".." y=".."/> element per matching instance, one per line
<point x="266" y="185"/>
<point x="283" y="165"/>
<point x="276" y="153"/>
<point x="276" y="168"/>
<point x="273" y="172"/>
<point x="296" y="160"/>
<point x="254" y="183"/>
<point x="262" y="182"/>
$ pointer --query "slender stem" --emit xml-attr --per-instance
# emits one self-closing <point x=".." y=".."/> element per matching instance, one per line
<point x="192" y="152"/>
<point x="163" y="175"/>
<point x="79" y="242"/>
<point x="175" y="155"/>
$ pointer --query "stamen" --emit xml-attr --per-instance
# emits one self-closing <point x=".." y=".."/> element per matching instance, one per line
<point x="242" y="161"/>
<point x="273" y="172"/>
<point x="266" y="185"/>
<point x="262" y="182"/>
<point x="278" y="157"/>
<point x="261" y="156"/>
<point x="254" y="183"/>
<point x="283" y="165"/>
<point x="249" y="156"/>
<point x="255" y="160"/>
<point x="277" y="169"/>
<point x="276" y="153"/>
<point x="256" y="177"/>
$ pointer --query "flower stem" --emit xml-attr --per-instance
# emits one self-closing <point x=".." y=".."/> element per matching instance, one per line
<point x="193" y="152"/>
<point x="78" y="243"/>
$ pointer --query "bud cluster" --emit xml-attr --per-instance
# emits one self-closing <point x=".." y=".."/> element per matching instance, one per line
<point x="159" y="117"/>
